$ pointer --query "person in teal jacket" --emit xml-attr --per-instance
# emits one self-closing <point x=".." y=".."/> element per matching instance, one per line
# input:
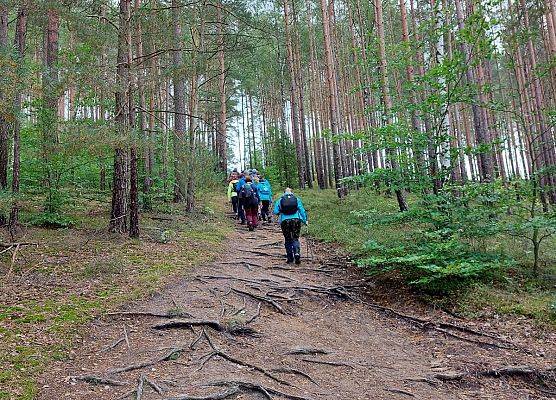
<point x="291" y="215"/>
<point x="265" y="194"/>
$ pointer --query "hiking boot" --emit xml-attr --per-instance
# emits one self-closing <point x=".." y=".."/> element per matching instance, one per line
<point x="297" y="258"/>
<point x="251" y="227"/>
<point x="289" y="260"/>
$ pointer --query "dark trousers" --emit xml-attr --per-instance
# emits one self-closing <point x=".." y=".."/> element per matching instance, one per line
<point x="291" y="229"/>
<point x="235" y="204"/>
<point x="240" y="210"/>
<point x="251" y="214"/>
<point x="265" y="209"/>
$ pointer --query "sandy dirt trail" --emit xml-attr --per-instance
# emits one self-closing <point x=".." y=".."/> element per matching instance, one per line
<point x="250" y="326"/>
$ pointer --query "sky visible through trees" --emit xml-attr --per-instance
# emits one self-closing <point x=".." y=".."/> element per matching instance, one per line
<point x="146" y="99"/>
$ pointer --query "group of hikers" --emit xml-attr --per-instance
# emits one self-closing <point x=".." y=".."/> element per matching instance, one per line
<point x="251" y="197"/>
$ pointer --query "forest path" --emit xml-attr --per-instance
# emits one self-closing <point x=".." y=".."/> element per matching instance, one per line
<point x="233" y="326"/>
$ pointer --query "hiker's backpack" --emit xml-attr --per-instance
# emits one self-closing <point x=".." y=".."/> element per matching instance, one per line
<point x="235" y="186"/>
<point x="288" y="204"/>
<point x="249" y="195"/>
<point x="264" y="189"/>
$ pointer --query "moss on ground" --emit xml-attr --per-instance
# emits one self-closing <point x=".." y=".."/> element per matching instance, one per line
<point x="77" y="274"/>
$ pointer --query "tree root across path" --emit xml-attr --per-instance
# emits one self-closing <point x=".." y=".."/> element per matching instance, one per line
<point x="236" y="387"/>
<point x="444" y="327"/>
<point x="507" y="371"/>
<point x="236" y="330"/>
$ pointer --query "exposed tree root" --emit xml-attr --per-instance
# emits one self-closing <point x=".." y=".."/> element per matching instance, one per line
<point x="113" y="345"/>
<point x="176" y="314"/>
<point x="157" y="388"/>
<point x="307" y="351"/>
<point x="139" y="390"/>
<point x="171" y="355"/>
<point x="244" y="263"/>
<point x="219" y="396"/>
<point x="399" y="391"/>
<point x="255" y="387"/>
<point x="331" y="363"/>
<point x="512" y="370"/>
<point x="443" y="328"/>
<point x="255" y="316"/>
<point x="263" y="299"/>
<point x="225" y="356"/>
<point x="295" y="372"/>
<point x="100" y="380"/>
<point x="236" y="330"/>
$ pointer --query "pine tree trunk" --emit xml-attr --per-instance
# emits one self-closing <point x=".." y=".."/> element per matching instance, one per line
<point x="4" y="125"/>
<point x="332" y="94"/>
<point x="387" y="100"/>
<point x="49" y="113"/>
<point x="178" y="81"/>
<point x="221" y="142"/>
<point x="19" y="45"/>
<point x="118" y="214"/>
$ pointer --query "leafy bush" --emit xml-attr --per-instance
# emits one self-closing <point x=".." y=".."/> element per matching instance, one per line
<point x="435" y="264"/>
<point x="52" y="220"/>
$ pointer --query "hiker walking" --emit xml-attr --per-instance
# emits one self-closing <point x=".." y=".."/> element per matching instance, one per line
<point x="240" y="206"/>
<point x="265" y="191"/>
<point x="232" y="194"/>
<point x="250" y="199"/>
<point x="292" y="215"/>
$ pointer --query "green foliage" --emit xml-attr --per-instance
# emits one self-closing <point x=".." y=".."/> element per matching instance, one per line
<point x="454" y="245"/>
<point x="48" y="219"/>
<point x="436" y="264"/>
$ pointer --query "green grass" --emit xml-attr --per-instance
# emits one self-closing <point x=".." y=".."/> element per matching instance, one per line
<point x="336" y="220"/>
<point x="91" y="273"/>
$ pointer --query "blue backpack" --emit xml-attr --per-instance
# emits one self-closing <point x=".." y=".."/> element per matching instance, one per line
<point x="249" y="195"/>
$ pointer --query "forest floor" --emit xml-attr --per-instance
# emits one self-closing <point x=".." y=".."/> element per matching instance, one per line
<point x="249" y="326"/>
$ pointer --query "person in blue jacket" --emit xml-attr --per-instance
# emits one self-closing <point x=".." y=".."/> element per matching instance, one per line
<point x="291" y="215"/>
<point x="265" y="194"/>
<point x="240" y="210"/>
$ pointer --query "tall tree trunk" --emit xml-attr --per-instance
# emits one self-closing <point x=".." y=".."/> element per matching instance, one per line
<point x="178" y="81"/>
<point x="118" y="214"/>
<point x="221" y="139"/>
<point x="387" y="100"/>
<point x="50" y="105"/>
<point x="19" y="45"/>
<point x="294" y="98"/>
<point x="481" y="134"/>
<point x="332" y="93"/>
<point x="4" y="125"/>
